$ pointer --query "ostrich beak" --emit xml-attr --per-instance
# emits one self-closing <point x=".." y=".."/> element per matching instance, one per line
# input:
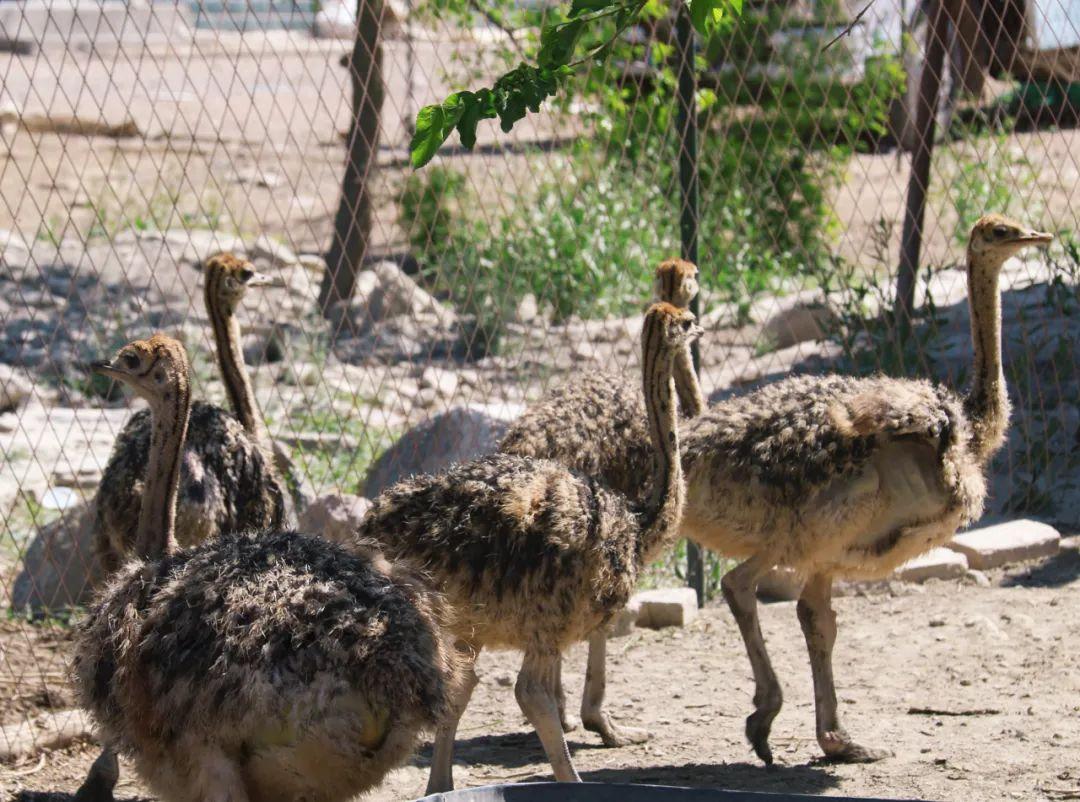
<point x="1032" y="237"/>
<point x="108" y="369"/>
<point x="264" y="280"/>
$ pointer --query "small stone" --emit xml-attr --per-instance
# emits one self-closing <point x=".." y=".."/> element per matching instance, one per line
<point x="937" y="622"/>
<point x="665" y="607"/>
<point x="1015" y="541"/>
<point x="938" y="563"/>
<point x="977" y="578"/>
<point x="527" y="309"/>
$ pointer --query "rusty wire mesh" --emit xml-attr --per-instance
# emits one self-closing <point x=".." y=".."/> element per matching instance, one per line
<point x="141" y="138"/>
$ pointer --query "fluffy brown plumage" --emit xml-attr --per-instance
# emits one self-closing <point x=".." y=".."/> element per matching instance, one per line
<point x="595" y="425"/>
<point x="534" y="557"/>
<point x="256" y="666"/>
<point x="836" y="476"/>
<point x="228" y="478"/>
<point x="595" y="422"/>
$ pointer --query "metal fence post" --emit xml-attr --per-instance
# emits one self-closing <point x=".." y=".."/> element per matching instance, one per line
<point x="688" y="218"/>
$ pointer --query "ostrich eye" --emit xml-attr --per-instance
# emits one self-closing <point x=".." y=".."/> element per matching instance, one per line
<point x="245" y="275"/>
<point x="1001" y="231"/>
<point x="130" y="360"/>
<point x="686" y="325"/>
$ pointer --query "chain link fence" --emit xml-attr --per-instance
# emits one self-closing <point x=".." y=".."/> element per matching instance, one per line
<point x="139" y="137"/>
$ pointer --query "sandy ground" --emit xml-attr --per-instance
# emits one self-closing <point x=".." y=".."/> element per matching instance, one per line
<point x="977" y="691"/>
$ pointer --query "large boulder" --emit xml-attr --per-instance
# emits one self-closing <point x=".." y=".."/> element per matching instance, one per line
<point x="461" y="433"/>
<point x="334" y="516"/>
<point x="59" y="570"/>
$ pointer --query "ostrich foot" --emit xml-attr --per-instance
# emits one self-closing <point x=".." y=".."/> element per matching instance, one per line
<point x="569" y="721"/>
<point x="100" y="780"/>
<point x="839" y="748"/>
<point x="758" y="726"/>
<point x="614" y="735"/>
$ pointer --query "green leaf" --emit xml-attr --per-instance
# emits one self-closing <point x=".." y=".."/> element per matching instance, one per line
<point x="707" y="16"/>
<point x="433" y="125"/>
<point x="558" y="42"/>
<point x="579" y="7"/>
<point x="480" y="106"/>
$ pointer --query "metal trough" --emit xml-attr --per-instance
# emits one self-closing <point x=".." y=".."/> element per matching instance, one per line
<point x="618" y="792"/>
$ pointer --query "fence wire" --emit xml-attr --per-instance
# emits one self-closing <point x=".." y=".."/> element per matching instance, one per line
<point x="138" y="138"/>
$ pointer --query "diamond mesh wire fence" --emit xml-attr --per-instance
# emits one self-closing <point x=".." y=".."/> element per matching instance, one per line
<point x="423" y="309"/>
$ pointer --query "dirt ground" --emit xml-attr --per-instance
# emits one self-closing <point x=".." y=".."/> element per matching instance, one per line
<point x="975" y="689"/>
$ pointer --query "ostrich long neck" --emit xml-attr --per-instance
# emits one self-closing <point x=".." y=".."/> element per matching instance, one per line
<point x="987" y="404"/>
<point x="664" y="507"/>
<point x="231" y="361"/>
<point x="157" y="514"/>
<point x="691" y="402"/>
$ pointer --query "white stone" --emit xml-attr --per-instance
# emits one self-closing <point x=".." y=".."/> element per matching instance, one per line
<point x="15" y="388"/>
<point x="334" y="516"/>
<point x="277" y="253"/>
<point x="444" y="382"/>
<point x="1011" y="542"/>
<point x="665" y="607"/>
<point x="938" y="563"/>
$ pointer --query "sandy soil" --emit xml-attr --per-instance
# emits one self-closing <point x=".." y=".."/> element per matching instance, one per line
<point x="999" y="665"/>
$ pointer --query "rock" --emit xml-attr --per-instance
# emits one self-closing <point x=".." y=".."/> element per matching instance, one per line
<point x="393" y="294"/>
<point x="459" y="434"/>
<point x="15" y="388"/>
<point x="276" y="253"/>
<point x="14" y="253"/>
<point x="334" y="516"/>
<point x="977" y="578"/>
<point x="780" y="584"/>
<point x="59" y="570"/>
<point x="1014" y="541"/>
<point x="665" y="607"/>
<point x="335" y="20"/>
<point x="443" y="382"/>
<point x="527" y="310"/>
<point x="623" y="622"/>
<point x="53" y="730"/>
<point x="800" y="322"/>
<point x="938" y="563"/>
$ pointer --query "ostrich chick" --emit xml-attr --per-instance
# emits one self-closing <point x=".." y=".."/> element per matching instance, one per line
<point x="595" y="425"/>
<point x="534" y="557"/>
<point x="228" y="481"/>
<point x="256" y="666"/>
<point x="839" y="476"/>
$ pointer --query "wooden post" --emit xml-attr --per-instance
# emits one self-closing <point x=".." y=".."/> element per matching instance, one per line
<point x="352" y="223"/>
<point x="919" y="180"/>
<point x="688" y="219"/>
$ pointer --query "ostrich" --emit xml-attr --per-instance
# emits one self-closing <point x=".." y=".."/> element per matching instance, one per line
<point x="839" y="476"/>
<point x="228" y="478"/>
<point x="595" y="425"/>
<point x="533" y="557"/>
<point x="255" y="666"/>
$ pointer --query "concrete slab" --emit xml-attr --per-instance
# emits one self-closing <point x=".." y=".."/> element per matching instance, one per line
<point x="939" y="563"/>
<point x="665" y="607"/>
<point x="1011" y="542"/>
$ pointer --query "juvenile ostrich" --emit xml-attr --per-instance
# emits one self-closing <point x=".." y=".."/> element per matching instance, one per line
<point x="228" y="481"/>
<point x="534" y="557"/>
<point x="256" y="666"/>
<point x="838" y="476"/>
<point x="595" y="425"/>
